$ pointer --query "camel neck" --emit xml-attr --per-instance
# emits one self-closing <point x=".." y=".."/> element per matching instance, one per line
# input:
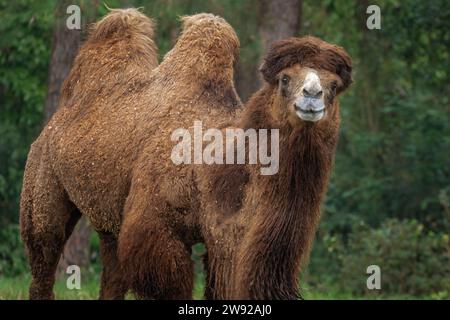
<point x="288" y="205"/>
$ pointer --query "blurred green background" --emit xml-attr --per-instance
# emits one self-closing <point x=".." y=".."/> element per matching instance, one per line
<point x="388" y="202"/>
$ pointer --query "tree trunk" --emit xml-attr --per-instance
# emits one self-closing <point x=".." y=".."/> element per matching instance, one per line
<point x="64" y="49"/>
<point x="368" y="46"/>
<point x="77" y="250"/>
<point x="279" y="20"/>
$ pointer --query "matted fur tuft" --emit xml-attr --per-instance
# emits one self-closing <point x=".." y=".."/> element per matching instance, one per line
<point x="121" y="22"/>
<point x="188" y="21"/>
<point x="209" y="32"/>
<point x="206" y="42"/>
<point x="309" y="52"/>
<point x="118" y="52"/>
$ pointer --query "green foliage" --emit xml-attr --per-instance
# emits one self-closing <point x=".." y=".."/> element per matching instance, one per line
<point x="413" y="261"/>
<point x="12" y="255"/>
<point x="24" y="56"/>
<point x="393" y="154"/>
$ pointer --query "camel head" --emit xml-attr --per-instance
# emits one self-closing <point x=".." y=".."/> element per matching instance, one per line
<point x="308" y="74"/>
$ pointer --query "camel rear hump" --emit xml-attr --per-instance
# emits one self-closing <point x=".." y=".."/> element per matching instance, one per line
<point x="119" y="52"/>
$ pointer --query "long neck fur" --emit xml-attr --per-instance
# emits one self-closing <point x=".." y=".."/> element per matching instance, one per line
<point x="288" y="203"/>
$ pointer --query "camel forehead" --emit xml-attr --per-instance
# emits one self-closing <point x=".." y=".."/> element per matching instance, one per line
<point x="302" y="74"/>
<point x="300" y="71"/>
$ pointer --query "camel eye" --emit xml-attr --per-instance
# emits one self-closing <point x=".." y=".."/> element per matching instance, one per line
<point x="285" y="80"/>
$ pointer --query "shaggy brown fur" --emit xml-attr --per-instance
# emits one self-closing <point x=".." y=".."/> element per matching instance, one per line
<point x="258" y="229"/>
<point x="109" y="159"/>
<point x="121" y="50"/>
<point x="106" y="153"/>
<point x="308" y="52"/>
<point x="117" y="57"/>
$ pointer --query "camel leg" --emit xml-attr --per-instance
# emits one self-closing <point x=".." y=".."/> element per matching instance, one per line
<point x="113" y="286"/>
<point x="209" y="281"/>
<point x="158" y="265"/>
<point x="218" y="270"/>
<point x="47" y="221"/>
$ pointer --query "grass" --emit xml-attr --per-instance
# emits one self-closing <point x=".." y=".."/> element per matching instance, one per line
<point x="17" y="289"/>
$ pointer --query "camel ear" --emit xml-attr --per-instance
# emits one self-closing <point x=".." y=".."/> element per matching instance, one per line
<point x="309" y="52"/>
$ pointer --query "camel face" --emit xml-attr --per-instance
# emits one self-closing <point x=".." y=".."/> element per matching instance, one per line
<point x="307" y="93"/>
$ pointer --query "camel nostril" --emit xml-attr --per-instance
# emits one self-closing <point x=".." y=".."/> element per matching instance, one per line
<point x="312" y="94"/>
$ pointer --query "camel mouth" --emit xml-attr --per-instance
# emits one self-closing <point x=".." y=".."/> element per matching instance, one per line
<point x="310" y="115"/>
<point x="312" y="111"/>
